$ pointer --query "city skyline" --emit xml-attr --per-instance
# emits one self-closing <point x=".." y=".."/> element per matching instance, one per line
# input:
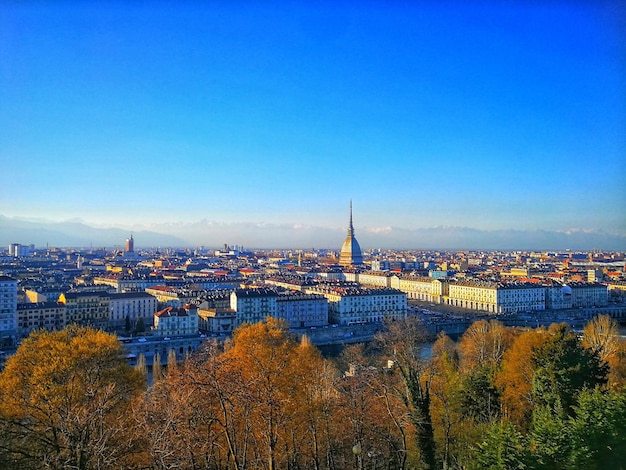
<point x="227" y="116"/>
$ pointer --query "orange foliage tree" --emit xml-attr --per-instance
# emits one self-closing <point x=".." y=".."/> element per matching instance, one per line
<point x="65" y="398"/>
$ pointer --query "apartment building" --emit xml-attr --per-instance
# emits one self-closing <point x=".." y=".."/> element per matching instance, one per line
<point x="86" y="308"/>
<point x="48" y="316"/>
<point x="497" y="297"/>
<point x="253" y="305"/>
<point x="421" y="288"/>
<point x="8" y="310"/>
<point x="176" y="321"/>
<point x="354" y="305"/>
<point x="131" y="306"/>
<point x="301" y="310"/>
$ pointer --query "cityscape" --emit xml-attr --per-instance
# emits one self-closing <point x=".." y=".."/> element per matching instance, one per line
<point x="381" y="235"/>
<point x="183" y="295"/>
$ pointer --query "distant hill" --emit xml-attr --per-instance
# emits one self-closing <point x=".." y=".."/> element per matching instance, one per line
<point x="76" y="234"/>
<point x="265" y="235"/>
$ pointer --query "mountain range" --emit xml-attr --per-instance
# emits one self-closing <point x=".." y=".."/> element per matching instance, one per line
<point x="212" y="234"/>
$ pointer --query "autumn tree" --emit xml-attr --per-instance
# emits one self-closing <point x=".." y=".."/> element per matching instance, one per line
<point x="404" y="341"/>
<point x="178" y="420"/>
<point x="65" y="399"/>
<point x="270" y="362"/>
<point x="602" y="335"/>
<point x="445" y="399"/>
<point x="484" y="343"/>
<point x="515" y="377"/>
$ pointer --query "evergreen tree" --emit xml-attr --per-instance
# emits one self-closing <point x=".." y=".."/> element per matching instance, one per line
<point x="504" y="448"/>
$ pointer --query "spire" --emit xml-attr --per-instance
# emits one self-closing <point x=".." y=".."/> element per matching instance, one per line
<point x="351" y="227"/>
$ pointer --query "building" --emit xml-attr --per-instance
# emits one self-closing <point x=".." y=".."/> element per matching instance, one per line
<point x="131" y="306"/>
<point x="355" y="305"/>
<point x="88" y="308"/>
<point x="253" y="305"/>
<point x="302" y="310"/>
<point x="171" y="296"/>
<point x="374" y="279"/>
<point x="130" y="244"/>
<point x="18" y="251"/>
<point x="8" y="310"/>
<point x="127" y="282"/>
<point x="350" y="251"/>
<point x="426" y="289"/>
<point x="217" y="320"/>
<point x="497" y="297"/>
<point x="176" y="321"/>
<point x="40" y="316"/>
<point x="589" y="294"/>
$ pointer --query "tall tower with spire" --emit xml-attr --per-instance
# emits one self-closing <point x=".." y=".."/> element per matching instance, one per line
<point x="350" y="251"/>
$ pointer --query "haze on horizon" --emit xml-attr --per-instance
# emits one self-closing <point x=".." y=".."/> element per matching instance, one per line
<point x="467" y="114"/>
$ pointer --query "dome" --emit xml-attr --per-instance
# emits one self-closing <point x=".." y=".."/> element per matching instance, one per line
<point x="350" y="250"/>
<point x="566" y="290"/>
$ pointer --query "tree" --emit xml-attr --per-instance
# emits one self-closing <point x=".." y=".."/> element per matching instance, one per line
<point x="404" y="342"/>
<point x="445" y="397"/>
<point x="602" y="335"/>
<point x="504" y="448"/>
<point x="480" y="399"/>
<point x="484" y="343"/>
<point x="140" y="325"/>
<point x="599" y="431"/>
<point x="65" y="398"/>
<point x="515" y="377"/>
<point x="563" y="367"/>
<point x="263" y="355"/>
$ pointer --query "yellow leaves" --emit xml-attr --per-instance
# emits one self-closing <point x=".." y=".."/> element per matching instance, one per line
<point x="484" y="343"/>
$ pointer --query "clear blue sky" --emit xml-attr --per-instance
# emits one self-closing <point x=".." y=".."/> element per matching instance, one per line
<point x="484" y="114"/>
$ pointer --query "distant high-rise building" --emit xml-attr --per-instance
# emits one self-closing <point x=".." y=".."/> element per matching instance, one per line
<point x="350" y="251"/>
<point x="130" y="244"/>
<point x="8" y="310"/>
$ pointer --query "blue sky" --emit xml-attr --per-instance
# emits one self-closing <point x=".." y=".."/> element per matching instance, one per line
<point x="485" y="114"/>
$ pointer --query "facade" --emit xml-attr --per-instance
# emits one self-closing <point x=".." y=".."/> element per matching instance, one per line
<point x="421" y="288"/>
<point x="353" y="305"/>
<point x="86" y="308"/>
<point x="302" y="310"/>
<point x="17" y="250"/>
<point x="127" y="283"/>
<point x="131" y="305"/>
<point x="374" y="279"/>
<point x="589" y="294"/>
<point x="496" y="297"/>
<point x="8" y="310"/>
<point x="174" y="296"/>
<point x="40" y="316"/>
<point x="558" y="297"/>
<point x="253" y="305"/>
<point x="176" y="321"/>
<point x="217" y="320"/>
<point x="350" y="251"/>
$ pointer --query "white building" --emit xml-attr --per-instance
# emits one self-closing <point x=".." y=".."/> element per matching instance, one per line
<point x="497" y="297"/>
<point x="8" y="310"/>
<point x="131" y="305"/>
<point x="589" y="294"/>
<point x="253" y="305"/>
<point x="176" y="321"/>
<point x="302" y="310"/>
<point x="374" y="279"/>
<point x="421" y="288"/>
<point x="352" y="305"/>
